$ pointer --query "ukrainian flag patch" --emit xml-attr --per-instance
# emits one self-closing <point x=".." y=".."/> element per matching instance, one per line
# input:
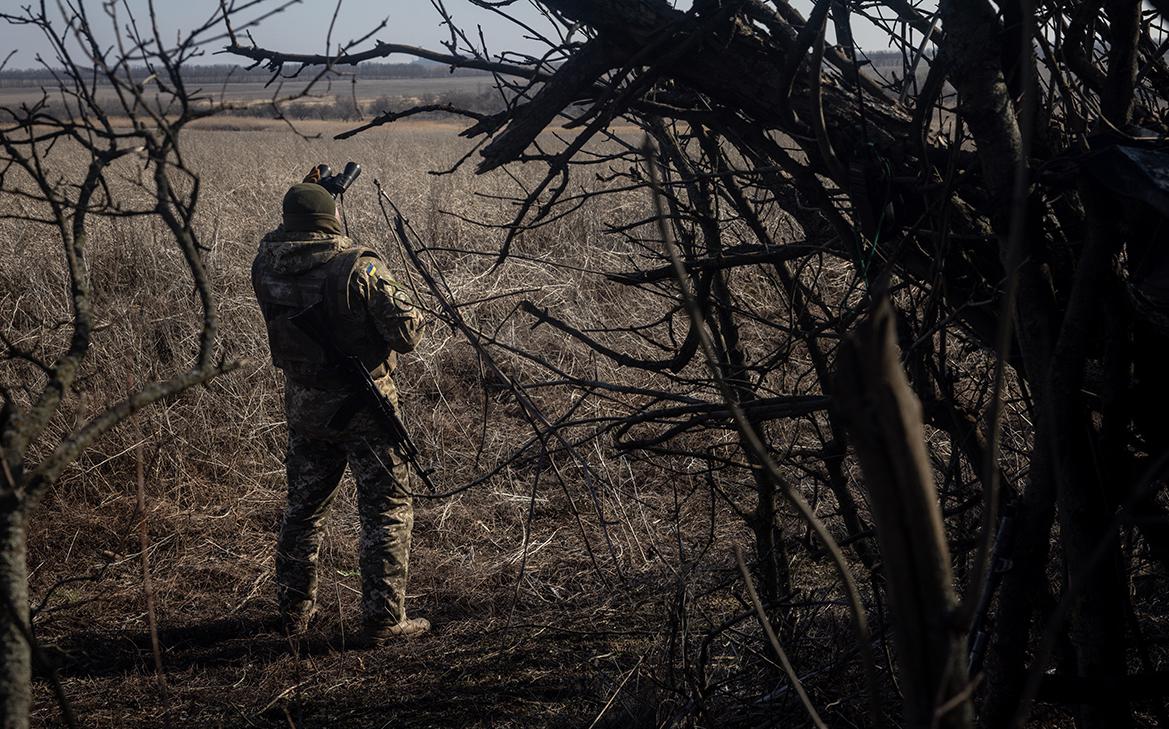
<point x="370" y="269"/>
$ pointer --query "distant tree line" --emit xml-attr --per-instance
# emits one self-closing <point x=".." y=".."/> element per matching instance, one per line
<point x="345" y="107"/>
<point x="232" y="73"/>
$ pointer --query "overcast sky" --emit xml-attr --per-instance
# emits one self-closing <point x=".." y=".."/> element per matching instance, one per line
<point x="302" y="27"/>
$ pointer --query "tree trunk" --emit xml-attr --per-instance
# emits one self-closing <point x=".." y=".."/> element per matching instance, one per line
<point x="884" y="419"/>
<point x="771" y="553"/>
<point x="1018" y="602"/>
<point x="15" y="654"/>
<point x="1088" y="532"/>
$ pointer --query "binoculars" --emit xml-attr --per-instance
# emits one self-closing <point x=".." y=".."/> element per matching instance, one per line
<point x="337" y="184"/>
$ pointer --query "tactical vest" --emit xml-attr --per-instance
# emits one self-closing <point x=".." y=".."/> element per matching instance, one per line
<point x="300" y="309"/>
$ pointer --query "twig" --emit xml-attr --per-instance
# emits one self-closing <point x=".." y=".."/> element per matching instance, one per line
<point x="752" y="439"/>
<point x="147" y="586"/>
<point x="779" y="651"/>
<point x="617" y="691"/>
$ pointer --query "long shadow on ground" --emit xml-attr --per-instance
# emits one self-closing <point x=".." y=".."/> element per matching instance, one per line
<point x="459" y="676"/>
<point x="218" y="642"/>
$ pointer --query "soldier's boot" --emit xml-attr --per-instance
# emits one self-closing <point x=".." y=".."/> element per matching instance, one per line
<point x="377" y="634"/>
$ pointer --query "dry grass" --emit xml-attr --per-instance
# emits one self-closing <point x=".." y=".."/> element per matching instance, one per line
<point x="508" y="651"/>
<point x="630" y="595"/>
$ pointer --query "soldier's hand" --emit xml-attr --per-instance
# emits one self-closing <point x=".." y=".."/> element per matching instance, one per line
<point x="317" y="173"/>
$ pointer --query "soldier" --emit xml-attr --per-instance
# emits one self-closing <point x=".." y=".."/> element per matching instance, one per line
<point x="307" y="272"/>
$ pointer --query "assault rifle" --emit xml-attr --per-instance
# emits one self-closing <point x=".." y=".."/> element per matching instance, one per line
<point x="309" y="322"/>
<point x="392" y="421"/>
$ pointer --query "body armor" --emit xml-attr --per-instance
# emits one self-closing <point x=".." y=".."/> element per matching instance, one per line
<point x="323" y="293"/>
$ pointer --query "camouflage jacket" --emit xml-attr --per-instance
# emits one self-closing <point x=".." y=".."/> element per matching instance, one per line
<point x="379" y="320"/>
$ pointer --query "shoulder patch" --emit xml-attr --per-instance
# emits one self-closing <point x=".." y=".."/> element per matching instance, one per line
<point x="370" y="269"/>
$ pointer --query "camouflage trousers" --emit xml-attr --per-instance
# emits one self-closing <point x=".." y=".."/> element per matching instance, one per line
<point x="315" y="464"/>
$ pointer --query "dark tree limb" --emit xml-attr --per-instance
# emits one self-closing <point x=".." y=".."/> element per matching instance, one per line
<point x="884" y="419"/>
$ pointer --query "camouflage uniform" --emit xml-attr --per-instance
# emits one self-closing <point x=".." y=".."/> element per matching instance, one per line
<point x="376" y="321"/>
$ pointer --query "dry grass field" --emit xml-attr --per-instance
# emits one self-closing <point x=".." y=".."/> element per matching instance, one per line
<point x="766" y="382"/>
<point x="548" y="646"/>
<point x="598" y="587"/>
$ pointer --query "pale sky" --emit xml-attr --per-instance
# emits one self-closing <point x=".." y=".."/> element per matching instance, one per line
<point x="302" y="27"/>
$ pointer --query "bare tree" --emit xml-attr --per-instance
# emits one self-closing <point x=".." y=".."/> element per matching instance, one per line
<point x="102" y="143"/>
<point x="998" y="165"/>
<point x="884" y="418"/>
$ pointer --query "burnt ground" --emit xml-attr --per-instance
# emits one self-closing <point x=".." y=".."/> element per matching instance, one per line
<point x="242" y="671"/>
<point x="548" y="648"/>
